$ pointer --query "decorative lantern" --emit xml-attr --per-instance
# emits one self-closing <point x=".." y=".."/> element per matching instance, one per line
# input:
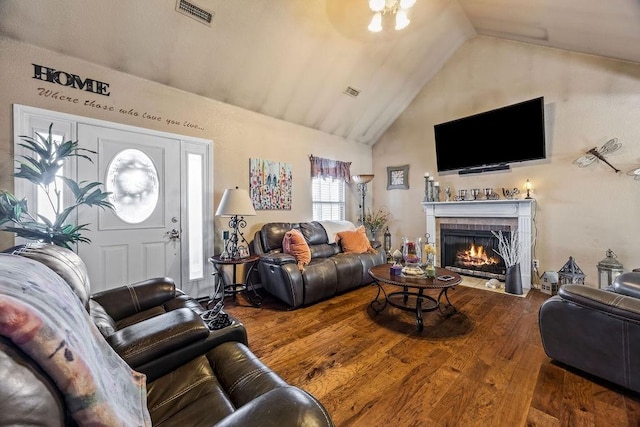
<point x="387" y="244"/>
<point x="608" y="269"/>
<point x="570" y="273"/>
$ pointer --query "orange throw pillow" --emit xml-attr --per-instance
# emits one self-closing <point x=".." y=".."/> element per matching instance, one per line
<point x="295" y="244"/>
<point x="355" y="242"/>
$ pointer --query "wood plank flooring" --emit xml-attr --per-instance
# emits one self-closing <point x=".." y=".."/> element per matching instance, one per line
<point x="484" y="366"/>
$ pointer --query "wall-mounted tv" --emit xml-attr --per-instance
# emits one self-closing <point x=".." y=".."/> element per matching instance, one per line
<point x="493" y="139"/>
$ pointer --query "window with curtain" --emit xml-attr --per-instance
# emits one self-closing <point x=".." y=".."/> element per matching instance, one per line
<point x="328" y="179"/>
<point x="328" y="199"/>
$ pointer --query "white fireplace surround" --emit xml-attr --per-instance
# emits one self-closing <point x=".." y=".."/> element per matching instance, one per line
<point x="521" y="209"/>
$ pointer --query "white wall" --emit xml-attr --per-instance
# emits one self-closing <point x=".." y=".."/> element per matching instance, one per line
<point x="588" y="100"/>
<point x="237" y="134"/>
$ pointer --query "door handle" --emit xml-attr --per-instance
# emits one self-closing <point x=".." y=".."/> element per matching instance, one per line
<point x="174" y="234"/>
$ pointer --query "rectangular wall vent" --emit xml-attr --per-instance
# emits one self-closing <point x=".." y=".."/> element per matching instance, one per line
<point x="351" y="91"/>
<point x="195" y="12"/>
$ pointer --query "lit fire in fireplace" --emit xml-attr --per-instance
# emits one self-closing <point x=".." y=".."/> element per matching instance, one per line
<point x="475" y="256"/>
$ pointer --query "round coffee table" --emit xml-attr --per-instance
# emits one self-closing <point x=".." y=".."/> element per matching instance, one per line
<point x="412" y="297"/>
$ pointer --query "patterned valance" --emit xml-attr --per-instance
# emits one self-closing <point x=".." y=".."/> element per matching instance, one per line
<point x="327" y="168"/>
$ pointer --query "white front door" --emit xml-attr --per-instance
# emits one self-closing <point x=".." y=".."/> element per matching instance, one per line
<point x="141" y="238"/>
<point x="162" y="184"/>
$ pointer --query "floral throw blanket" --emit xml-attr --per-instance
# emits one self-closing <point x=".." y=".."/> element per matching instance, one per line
<point x="40" y="314"/>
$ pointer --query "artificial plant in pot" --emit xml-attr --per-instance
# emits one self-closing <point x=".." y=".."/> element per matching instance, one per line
<point x="41" y="168"/>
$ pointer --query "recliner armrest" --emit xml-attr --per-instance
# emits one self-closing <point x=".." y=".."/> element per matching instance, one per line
<point x="278" y="258"/>
<point x="130" y="299"/>
<point x="160" y="335"/>
<point x="164" y="364"/>
<point x="613" y="304"/>
<point x="283" y="407"/>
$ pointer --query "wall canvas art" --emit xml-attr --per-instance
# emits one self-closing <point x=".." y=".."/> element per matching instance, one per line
<point x="270" y="184"/>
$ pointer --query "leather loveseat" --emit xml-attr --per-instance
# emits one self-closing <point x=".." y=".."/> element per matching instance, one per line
<point x="330" y="272"/>
<point x="195" y="375"/>
<point x="596" y="331"/>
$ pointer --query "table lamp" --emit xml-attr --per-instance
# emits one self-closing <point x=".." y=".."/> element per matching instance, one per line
<point x="235" y="204"/>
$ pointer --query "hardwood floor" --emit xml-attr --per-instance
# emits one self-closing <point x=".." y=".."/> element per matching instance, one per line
<point x="484" y="366"/>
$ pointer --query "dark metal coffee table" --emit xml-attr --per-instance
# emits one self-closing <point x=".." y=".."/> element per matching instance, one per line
<point x="412" y="297"/>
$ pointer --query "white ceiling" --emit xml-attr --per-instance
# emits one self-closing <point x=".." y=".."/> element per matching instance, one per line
<point x="293" y="59"/>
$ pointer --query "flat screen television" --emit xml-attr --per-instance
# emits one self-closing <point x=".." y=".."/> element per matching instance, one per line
<point x="493" y="139"/>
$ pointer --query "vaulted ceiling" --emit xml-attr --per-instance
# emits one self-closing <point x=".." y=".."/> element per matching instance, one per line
<point x="294" y="59"/>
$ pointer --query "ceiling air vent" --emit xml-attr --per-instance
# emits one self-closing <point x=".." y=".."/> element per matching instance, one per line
<point x="195" y="12"/>
<point x="351" y="91"/>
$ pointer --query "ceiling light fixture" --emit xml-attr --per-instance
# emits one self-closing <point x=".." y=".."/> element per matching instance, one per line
<point x="389" y="7"/>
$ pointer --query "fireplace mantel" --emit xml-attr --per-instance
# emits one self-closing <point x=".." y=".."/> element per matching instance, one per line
<point x="522" y="209"/>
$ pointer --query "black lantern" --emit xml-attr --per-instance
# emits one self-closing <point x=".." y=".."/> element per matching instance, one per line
<point x="608" y="269"/>
<point x="570" y="273"/>
<point x="387" y="244"/>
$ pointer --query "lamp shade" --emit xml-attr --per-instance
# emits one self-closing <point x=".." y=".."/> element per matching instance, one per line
<point x="362" y="179"/>
<point x="235" y="201"/>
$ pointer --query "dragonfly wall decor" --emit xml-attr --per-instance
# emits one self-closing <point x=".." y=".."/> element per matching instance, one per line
<point x="596" y="153"/>
<point x="635" y="173"/>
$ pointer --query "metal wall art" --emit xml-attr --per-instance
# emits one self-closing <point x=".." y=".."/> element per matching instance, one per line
<point x="398" y="177"/>
<point x="635" y="173"/>
<point x="596" y="153"/>
<point x="270" y="184"/>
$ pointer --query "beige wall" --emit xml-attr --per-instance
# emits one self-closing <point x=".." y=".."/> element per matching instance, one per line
<point x="237" y="134"/>
<point x="580" y="211"/>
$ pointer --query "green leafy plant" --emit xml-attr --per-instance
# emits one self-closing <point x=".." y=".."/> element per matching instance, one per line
<point x="41" y="169"/>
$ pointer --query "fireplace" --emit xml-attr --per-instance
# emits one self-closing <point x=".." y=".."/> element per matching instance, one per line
<point x="515" y="215"/>
<point x="471" y="251"/>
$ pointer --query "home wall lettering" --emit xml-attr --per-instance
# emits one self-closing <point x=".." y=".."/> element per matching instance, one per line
<point x="66" y="79"/>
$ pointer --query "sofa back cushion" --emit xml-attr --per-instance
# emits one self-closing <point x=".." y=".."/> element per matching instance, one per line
<point x="272" y="234"/>
<point x="313" y="232"/>
<point x="66" y="263"/>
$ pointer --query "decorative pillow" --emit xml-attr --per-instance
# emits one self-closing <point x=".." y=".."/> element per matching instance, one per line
<point x="295" y="244"/>
<point x="355" y="242"/>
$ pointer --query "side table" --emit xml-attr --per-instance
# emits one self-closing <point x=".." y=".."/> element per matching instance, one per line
<point x="236" y="287"/>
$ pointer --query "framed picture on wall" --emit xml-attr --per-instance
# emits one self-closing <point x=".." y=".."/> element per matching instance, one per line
<point x="270" y="184"/>
<point x="398" y="177"/>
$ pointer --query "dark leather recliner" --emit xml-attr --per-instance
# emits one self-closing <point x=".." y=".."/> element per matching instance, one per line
<point x="595" y="330"/>
<point x="330" y="271"/>
<point x="135" y="319"/>
<point x="223" y="385"/>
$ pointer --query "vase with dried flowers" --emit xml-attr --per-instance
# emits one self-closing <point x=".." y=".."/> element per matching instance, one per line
<point x="375" y="221"/>
<point x="429" y="254"/>
<point x="511" y="252"/>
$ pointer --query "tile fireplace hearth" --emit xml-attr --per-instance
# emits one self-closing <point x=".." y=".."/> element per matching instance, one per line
<point x="478" y="218"/>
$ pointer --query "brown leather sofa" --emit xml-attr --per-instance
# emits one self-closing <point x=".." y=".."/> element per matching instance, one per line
<point x="330" y="272"/>
<point x="195" y="375"/>
<point x="596" y="331"/>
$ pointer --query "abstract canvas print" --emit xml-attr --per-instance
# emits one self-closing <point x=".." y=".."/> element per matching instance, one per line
<point x="270" y="184"/>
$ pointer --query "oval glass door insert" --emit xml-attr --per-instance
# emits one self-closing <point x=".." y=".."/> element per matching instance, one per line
<point x="132" y="178"/>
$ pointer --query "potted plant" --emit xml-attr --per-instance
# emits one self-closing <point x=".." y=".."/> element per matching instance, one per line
<point x="41" y="168"/>
<point x="374" y="221"/>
